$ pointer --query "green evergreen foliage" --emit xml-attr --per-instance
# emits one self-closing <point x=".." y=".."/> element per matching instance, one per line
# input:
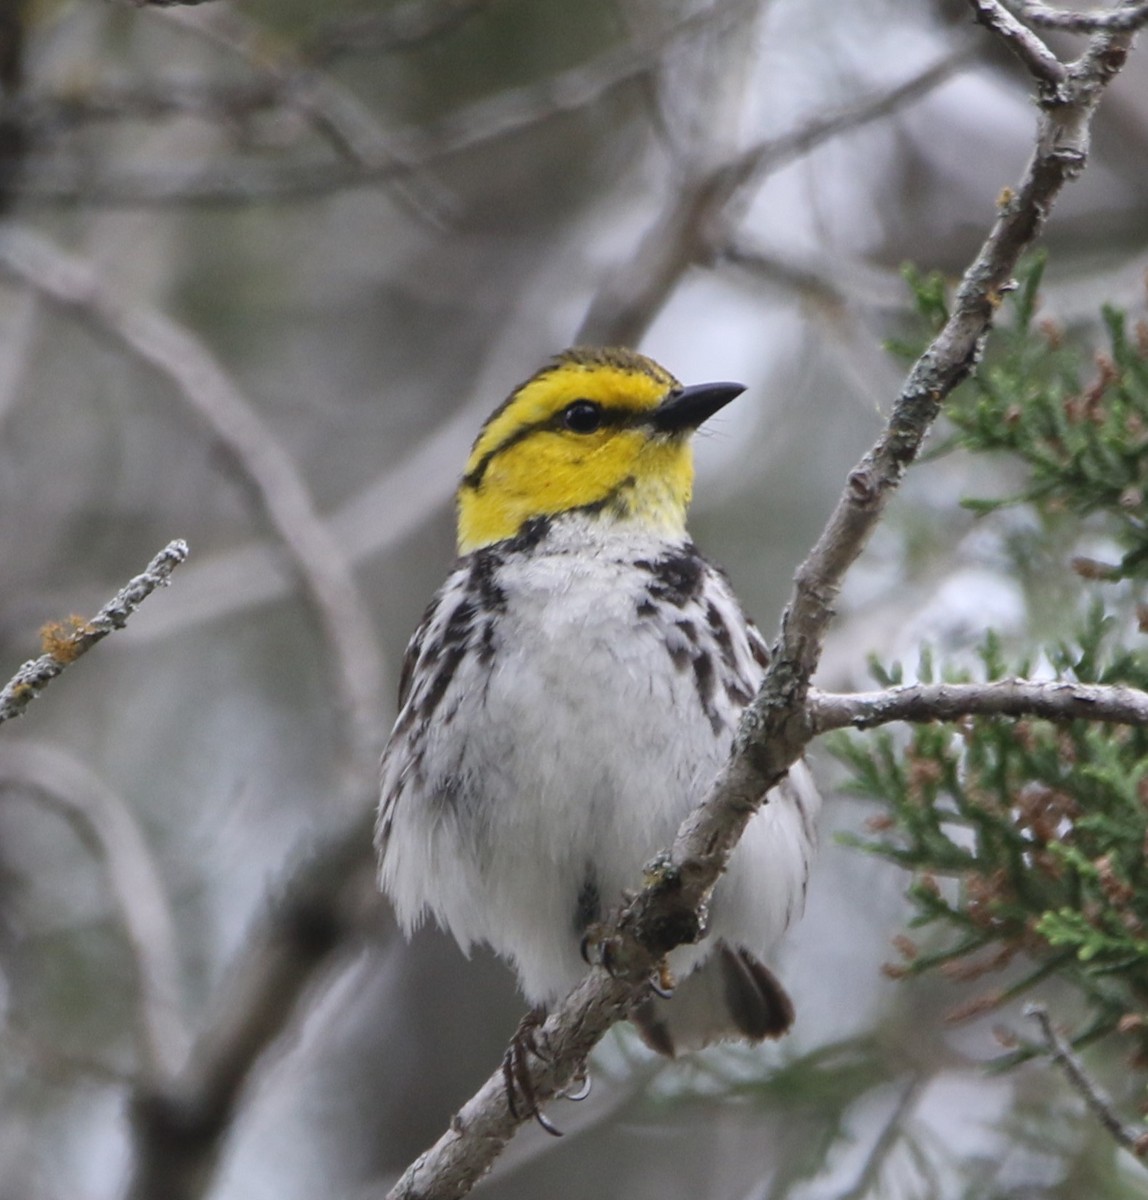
<point x="1027" y="840"/>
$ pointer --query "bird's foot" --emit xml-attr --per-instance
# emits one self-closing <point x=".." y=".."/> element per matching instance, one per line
<point x="599" y="949"/>
<point x="521" y="1098"/>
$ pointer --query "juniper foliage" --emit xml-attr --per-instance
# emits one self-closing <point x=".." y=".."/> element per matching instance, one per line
<point x="1027" y="840"/>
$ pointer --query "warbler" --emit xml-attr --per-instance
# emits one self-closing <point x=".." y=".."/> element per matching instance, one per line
<point x="571" y="692"/>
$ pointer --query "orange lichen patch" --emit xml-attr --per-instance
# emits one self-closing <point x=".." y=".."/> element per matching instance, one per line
<point x="63" y="639"/>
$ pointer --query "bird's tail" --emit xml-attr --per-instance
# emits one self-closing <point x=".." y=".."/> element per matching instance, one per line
<point x="732" y="995"/>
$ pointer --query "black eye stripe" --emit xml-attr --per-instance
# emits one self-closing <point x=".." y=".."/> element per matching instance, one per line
<point x="618" y="418"/>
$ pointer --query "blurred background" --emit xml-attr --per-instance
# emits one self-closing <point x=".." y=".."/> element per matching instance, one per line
<point x="264" y="269"/>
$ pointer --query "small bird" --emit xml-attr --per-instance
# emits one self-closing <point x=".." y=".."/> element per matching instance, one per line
<point x="570" y="694"/>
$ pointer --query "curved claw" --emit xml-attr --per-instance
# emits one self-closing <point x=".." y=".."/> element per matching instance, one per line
<point x="582" y="1092"/>
<point x="516" y="1072"/>
<point x="546" y="1123"/>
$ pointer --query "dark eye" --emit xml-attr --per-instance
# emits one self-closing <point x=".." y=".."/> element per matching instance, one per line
<point x="583" y="416"/>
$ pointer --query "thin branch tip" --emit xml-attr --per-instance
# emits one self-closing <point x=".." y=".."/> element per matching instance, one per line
<point x="65" y="641"/>
<point x="1133" y="1138"/>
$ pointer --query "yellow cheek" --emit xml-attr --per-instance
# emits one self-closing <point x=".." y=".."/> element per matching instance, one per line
<point x="640" y="479"/>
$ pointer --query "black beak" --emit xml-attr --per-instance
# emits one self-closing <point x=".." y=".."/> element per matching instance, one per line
<point x="685" y="409"/>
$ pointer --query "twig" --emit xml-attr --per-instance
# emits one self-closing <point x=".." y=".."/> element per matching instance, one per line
<point x="1123" y="18"/>
<point x="776" y="727"/>
<point x="110" y="827"/>
<point x="1042" y="64"/>
<point x="1131" y="1137"/>
<point x="892" y="1132"/>
<point x="200" y="381"/>
<point x="47" y="113"/>
<point x="65" y="643"/>
<point x="1054" y="701"/>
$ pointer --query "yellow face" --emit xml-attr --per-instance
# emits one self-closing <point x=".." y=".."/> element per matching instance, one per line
<point x="603" y="431"/>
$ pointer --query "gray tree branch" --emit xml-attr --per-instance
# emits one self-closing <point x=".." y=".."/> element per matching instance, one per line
<point x="1059" y="700"/>
<point x="1122" y="18"/>
<point x="109" y="826"/>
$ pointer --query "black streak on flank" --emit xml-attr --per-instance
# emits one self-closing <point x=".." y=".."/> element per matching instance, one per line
<point x="704" y="678"/>
<point x="483" y="584"/>
<point x="443" y="676"/>
<point x="721" y="635"/>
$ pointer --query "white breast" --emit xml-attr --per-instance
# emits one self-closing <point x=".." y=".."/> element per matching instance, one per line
<point x="557" y="763"/>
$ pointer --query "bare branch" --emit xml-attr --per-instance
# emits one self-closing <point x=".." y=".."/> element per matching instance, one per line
<point x="694" y="226"/>
<point x="1131" y="1137"/>
<point x="1125" y="18"/>
<point x="331" y="108"/>
<point x="1054" y="701"/>
<point x="64" y="643"/>
<point x="777" y="726"/>
<point x="46" y="113"/>
<point x="1040" y="61"/>
<point x="110" y="827"/>
<point x="179" y="1124"/>
<point x="328" y="583"/>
